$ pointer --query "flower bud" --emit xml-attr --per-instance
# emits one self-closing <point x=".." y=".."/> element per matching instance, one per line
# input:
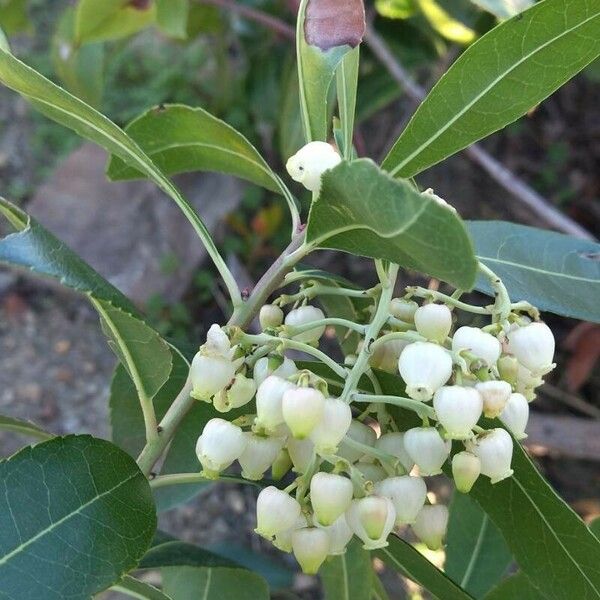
<point x="515" y="415"/>
<point x="407" y="494"/>
<point x="311" y="547"/>
<point x="266" y="366"/>
<point x="310" y="162"/>
<point x="209" y="375"/>
<point x="330" y="496"/>
<point x="425" y="367"/>
<point x="276" y="511"/>
<point x="302" y="453"/>
<point x="269" y="399"/>
<point x="457" y="409"/>
<point x="259" y="455"/>
<point x="466" y="468"/>
<point x="239" y="394"/>
<point x="527" y="382"/>
<point x="359" y="432"/>
<point x="303" y="316"/>
<point x="427" y="449"/>
<point x="433" y="321"/>
<point x="494" y="449"/>
<point x="340" y="535"/>
<point x="533" y="347"/>
<point x="508" y="367"/>
<point x="302" y="409"/>
<point x="495" y="394"/>
<point x="333" y="426"/>
<point x="219" y="445"/>
<point x="403" y="309"/>
<point x="480" y="343"/>
<point x="393" y="443"/>
<point x="270" y="316"/>
<point x="386" y="355"/>
<point x="281" y="465"/>
<point x="431" y="524"/>
<point x="217" y="342"/>
<point x="372" y="520"/>
<point x="283" y="539"/>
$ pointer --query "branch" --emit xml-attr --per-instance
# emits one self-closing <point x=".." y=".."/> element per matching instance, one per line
<point x="508" y="180"/>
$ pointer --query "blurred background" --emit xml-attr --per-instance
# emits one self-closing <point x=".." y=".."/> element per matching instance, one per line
<point x="236" y="59"/>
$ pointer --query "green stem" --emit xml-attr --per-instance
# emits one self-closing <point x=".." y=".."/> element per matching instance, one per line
<point x="502" y="305"/>
<point x="292" y="206"/>
<point x="190" y="478"/>
<point x="408" y="403"/>
<point x="409" y="336"/>
<point x="384" y="457"/>
<point x="421" y="292"/>
<point x="295" y="330"/>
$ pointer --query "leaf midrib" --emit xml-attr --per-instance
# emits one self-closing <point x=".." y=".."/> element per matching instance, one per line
<point x="476" y="550"/>
<point x="4" y="559"/>
<point x="478" y="97"/>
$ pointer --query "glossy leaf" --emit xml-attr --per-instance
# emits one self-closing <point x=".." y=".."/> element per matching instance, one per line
<point x="35" y="248"/>
<point x="503" y="9"/>
<point x="181" y="139"/>
<point x="446" y="25"/>
<point x="129" y="586"/>
<point x="408" y="561"/>
<point x="172" y="17"/>
<point x="191" y="583"/>
<point x="476" y="554"/>
<point x="595" y="527"/>
<point x="348" y="576"/>
<point x="76" y="513"/>
<point x="327" y="31"/>
<point x="23" y="427"/>
<point x="112" y="19"/>
<point x="551" y="544"/>
<point x="515" y="587"/>
<point x="499" y="78"/>
<point x="363" y="210"/>
<point x="555" y="272"/>
<point x="347" y="83"/>
<point x="174" y="553"/>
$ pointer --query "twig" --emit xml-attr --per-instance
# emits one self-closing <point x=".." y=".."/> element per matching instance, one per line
<point x="508" y="180"/>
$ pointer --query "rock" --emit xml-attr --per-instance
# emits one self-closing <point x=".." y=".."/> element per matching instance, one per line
<point x="130" y="232"/>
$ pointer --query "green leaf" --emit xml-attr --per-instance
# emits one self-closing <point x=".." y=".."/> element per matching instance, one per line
<point x="138" y="589"/>
<point x="144" y="354"/>
<point x="172" y="17"/>
<point x="476" y="554"/>
<point x="23" y="428"/>
<point x="347" y="84"/>
<point x="503" y="9"/>
<point x="181" y="554"/>
<point x="112" y="19"/>
<point x="446" y="25"/>
<point x="408" y="561"/>
<point x="348" y="576"/>
<point x="362" y="210"/>
<point x="4" y="45"/>
<point x="499" y="78"/>
<point x="595" y="527"/>
<point x="557" y="273"/>
<point x="396" y="9"/>
<point x="378" y="592"/>
<point x="38" y="250"/>
<point x="181" y="139"/>
<point x="322" y="42"/>
<point x="76" y="514"/>
<point x="13" y="16"/>
<point x="190" y="583"/>
<point x="551" y="544"/>
<point x="515" y="587"/>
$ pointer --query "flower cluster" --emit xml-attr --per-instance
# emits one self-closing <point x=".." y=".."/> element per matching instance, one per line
<point x="339" y="471"/>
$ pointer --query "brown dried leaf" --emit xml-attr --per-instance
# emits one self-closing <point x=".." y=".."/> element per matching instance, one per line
<point x="331" y="23"/>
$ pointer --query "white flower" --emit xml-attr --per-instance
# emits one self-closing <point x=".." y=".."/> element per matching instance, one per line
<point x="266" y="366"/>
<point x="372" y="520"/>
<point x="302" y="453"/>
<point x="304" y="315"/>
<point x="533" y="347"/>
<point x="393" y="443"/>
<point x="494" y="449"/>
<point x="431" y="524"/>
<point x="310" y="162"/>
<point x="270" y="316"/>
<point x="276" y="511"/>
<point x="408" y="495"/>
<point x="516" y="415"/>
<point x="333" y="426"/>
<point x="260" y="453"/>
<point x="269" y="399"/>
<point x="466" y="468"/>
<point x="340" y="535"/>
<point x="217" y="342"/>
<point x="480" y="343"/>
<point x="359" y="432"/>
<point x="371" y="471"/>
<point x="427" y="449"/>
<point x="209" y="375"/>
<point x="311" y="547"/>
<point x="424" y="367"/>
<point x="302" y="409"/>
<point x="283" y="539"/>
<point x="527" y="382"/>
<point x="458" y="409"/>
<point x="403" y="309"/>
<point x="219" y="445"/>
<point x="495" y="395"/>
<point x="386" y="355"/>
<point x="433" y="321"/>
<point x="330" y="496"/>
<point x="242" y="390"/>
